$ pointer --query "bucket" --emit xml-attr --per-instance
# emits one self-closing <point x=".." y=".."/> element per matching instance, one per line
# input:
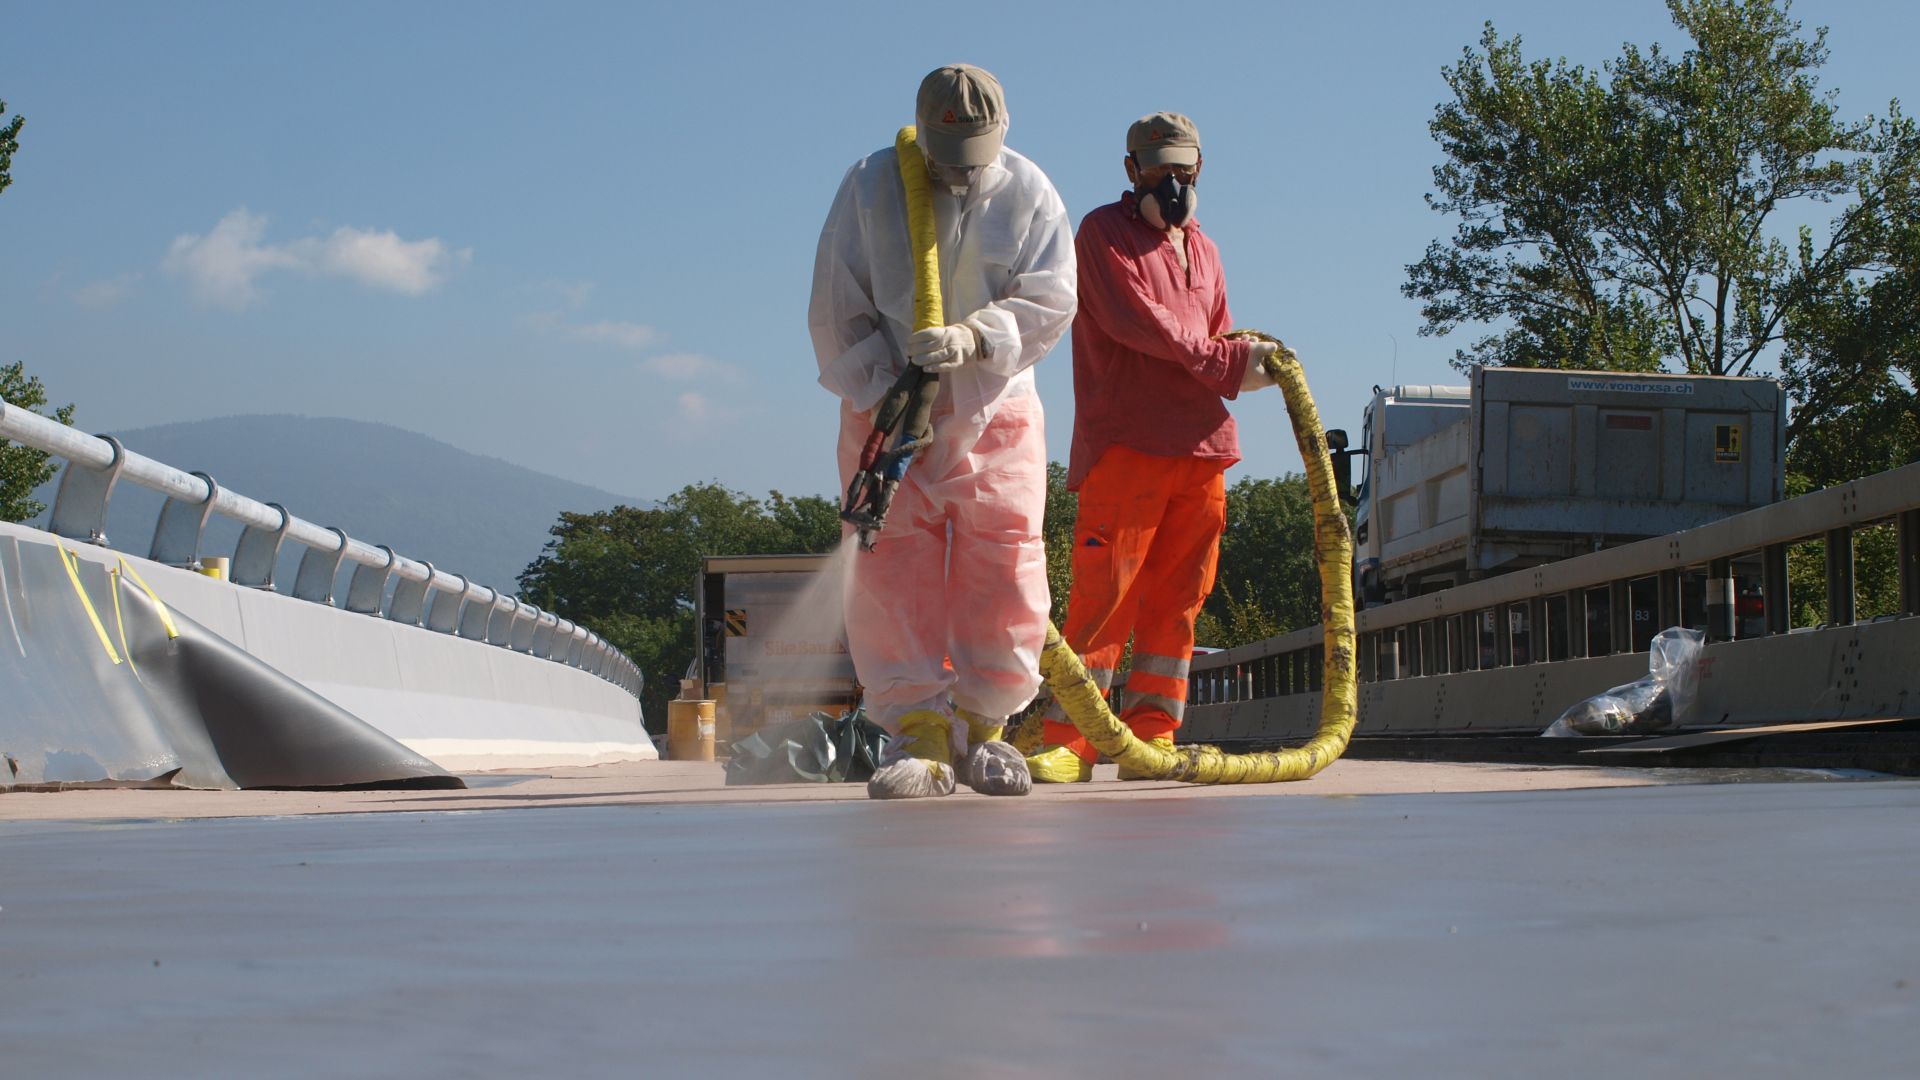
<point x="215" y="566"/>
<point x="690" y="730"/>
<point x="722" y="722"/>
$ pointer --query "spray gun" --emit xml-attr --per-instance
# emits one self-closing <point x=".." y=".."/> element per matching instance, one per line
<point x="904" y="416"/>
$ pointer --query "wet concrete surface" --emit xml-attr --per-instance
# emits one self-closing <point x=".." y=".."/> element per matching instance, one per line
<point x="1759" y="929"/>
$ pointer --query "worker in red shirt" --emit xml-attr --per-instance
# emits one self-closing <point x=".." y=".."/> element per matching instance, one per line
<point x="1152" y="438"/>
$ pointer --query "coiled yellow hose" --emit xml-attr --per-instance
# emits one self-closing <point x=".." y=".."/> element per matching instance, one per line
<point x="1077" y="695"/>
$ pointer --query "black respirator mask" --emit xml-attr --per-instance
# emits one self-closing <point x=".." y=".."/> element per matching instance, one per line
<point x="1174" y="200"/>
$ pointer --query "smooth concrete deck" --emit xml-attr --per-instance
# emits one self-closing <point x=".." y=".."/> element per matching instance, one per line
<point x="678" y="782"/>
<point x="1482" y="922"/>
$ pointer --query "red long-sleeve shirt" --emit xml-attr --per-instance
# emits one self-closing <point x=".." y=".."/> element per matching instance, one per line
<point x="1148" y="372"/>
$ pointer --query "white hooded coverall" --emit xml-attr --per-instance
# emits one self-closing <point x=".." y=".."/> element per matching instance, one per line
<point x="953" y="600"/>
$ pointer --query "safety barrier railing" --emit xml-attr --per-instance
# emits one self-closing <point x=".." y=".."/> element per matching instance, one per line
<point x="1728" y="578"/>
<point x="421" y="594"/>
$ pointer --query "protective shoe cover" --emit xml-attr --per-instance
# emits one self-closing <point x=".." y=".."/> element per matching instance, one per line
<point x="991" y="766"/>
<point x="1059" y="765"/>
<point x="919" y="761"/>
<point x="1164" y="742"/>
<point x="996" y="768"/>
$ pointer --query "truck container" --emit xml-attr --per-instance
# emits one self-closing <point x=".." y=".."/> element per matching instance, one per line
<point x="771" y="645"/>
<point x="1526" y="466"/>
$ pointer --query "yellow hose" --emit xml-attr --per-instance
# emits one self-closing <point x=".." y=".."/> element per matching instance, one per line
<point x="1077" y="695"/>
<point x="1067" y="678"/>
<point x="927" y="308"/>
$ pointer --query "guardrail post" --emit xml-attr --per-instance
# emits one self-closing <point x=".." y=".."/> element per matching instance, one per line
<point x="542" y="643"/>
<point x="368" y="585"/>
<point x="314" y="580"/>
<point x="257" y="552"/>
<point x="1539" y="634"/>
<point x="176" y="538"/>
<point x="1577" y="625"/>
<point x="443" y="614"/>
<point x="476" y="617"/>
<point x="1839" y="547"/>
<point x="410" y="599"/>
<point x="479" y="617"/>
<point x="500" y="621"/>
<point x="1719" y="603"/>
<point x="1773" y="587"/>
<point x="1908" y="526"/>
<point x="1669" y="602"/>
<point x="525" y="626"/>
<point x="1620" y="616"/>
<point x="80" y="504"/>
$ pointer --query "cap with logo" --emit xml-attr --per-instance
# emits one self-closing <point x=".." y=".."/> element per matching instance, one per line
<point x="1164" y="138"/>
<point x="962" y="114"/>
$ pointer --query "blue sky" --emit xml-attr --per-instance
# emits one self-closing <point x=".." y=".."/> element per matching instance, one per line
<point x="580" y="237"/>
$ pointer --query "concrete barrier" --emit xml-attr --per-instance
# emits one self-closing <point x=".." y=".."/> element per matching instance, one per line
<point x="459" y="703"/>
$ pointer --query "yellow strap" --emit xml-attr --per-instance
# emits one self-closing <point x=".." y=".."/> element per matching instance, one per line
<point x="120" y="624"/>
<point x="72" y="562"/>
<point x="166" y="618"/>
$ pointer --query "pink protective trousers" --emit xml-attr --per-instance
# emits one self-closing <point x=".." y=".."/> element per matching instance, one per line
<point x="952" y="601"/>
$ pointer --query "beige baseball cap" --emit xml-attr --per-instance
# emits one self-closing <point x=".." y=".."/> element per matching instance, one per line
<point x="1165" y="138"/>
<point x="962" y="115"/>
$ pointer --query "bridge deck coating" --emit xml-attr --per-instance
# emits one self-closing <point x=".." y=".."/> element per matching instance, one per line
<point x="1409" y="920"/>
<point x="653" y="782"/>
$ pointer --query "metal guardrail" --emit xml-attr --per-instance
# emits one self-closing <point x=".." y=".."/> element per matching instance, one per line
<point x="421" y="595"/>
<point x="1605" y="603"/>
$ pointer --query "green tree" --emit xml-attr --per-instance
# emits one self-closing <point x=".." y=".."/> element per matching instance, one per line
<point x="1267" y="582"/>
<point x="1628" y="222"/>
<point x="628" y="573"/>
<point x="9" y="144"/>
<point x="1056" y="528"/>
<point x="1850" y="361"/>
<point x="22" y="468"/>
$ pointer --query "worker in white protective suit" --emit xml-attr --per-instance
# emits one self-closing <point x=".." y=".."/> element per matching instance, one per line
<point x="947" y="615"/>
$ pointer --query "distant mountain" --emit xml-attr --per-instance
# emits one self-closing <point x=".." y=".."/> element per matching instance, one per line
<point x="465" y="513"/>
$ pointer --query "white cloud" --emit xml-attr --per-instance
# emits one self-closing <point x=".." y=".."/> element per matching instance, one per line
<point x="223" y="266"/>
<point x="685" y="366"/>
<point x="630" y="337"/>
<point x="695" y="406"/>
<point x="625" y="335"/>
<point x="105" y="293"/>
<point x="574" y="294"/>
<point x="380" y="259"/>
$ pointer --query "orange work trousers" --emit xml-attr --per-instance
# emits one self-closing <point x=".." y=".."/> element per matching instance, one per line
<point x="1146" y="543"/>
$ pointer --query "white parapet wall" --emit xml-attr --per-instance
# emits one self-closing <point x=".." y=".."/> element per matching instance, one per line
<point x="465" y="705"/>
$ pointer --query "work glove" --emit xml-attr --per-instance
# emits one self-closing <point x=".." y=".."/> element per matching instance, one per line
<point x="943" y="348"/>
<point x="1256" y="377"/>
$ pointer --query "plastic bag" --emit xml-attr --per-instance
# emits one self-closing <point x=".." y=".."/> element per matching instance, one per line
<point x="1659" y="700"/>
<point x="817" y="749"/>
